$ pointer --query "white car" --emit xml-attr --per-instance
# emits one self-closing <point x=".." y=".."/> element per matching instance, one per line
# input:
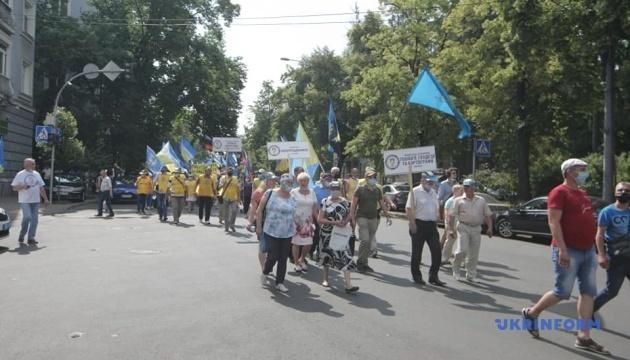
<point x="5" y="223"/>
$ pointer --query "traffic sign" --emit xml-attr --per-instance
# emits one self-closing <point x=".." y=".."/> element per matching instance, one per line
<point x="482" y="148"/>
<point x="41" y="133"/>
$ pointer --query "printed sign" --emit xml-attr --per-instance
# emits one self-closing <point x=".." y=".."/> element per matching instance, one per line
<point x="200" y="169"/>
<point x="420" y="159"/>
<point x="482" y="148"/>
<point x="227" y="144"/>
<point x="287" y="149"/>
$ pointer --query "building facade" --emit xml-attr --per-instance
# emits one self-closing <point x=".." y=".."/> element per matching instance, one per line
<point x="17" y="55"/>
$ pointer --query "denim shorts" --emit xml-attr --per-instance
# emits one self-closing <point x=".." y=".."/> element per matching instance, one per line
<point x="583" y="267"/>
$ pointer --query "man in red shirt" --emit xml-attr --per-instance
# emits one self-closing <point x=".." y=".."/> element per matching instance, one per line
<point x="572" y="225"/>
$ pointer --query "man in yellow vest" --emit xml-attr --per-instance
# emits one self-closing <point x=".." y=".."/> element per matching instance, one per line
<point x="144" y="187"/>
<point x="206" y="192"/>
<point x="161" y="186"/>
<point x="229" y="189"/>
<point x="352" y="183"/>
<point x="177" y="193"/>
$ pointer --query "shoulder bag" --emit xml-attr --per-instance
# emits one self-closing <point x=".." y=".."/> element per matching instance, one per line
<point x="619" y="249"/>
<point x="263" y="244"/>
<point x="220" y="196"/>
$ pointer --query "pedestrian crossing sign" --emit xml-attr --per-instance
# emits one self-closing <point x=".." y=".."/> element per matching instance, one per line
<point x="41" y="133"/>
<point x="482" y="148"/>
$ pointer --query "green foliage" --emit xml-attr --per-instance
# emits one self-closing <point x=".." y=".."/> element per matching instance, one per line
<point x="69" y="155"/>
<point x="177" y="71"/>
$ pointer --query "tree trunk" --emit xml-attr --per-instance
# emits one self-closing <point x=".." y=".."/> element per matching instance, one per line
<point x="524" y="136"/>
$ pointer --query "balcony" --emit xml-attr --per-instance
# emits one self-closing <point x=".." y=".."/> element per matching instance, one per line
<point x="7" y="22"/>
<point x="6" y="89"/>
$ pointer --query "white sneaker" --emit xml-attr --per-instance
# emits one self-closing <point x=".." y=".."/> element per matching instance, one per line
<point x="281" y="288"/>
<point x="297" y="269"/>
<point x="263" y="280"/>
<point x="304" y="267"/>
<point x="457" y="277"/>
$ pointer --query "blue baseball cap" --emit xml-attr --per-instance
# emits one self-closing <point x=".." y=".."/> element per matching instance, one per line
<point x="470" y="182"/>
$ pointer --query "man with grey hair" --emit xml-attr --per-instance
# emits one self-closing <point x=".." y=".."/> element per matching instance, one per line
<point x="30" y="186"/>
<point x="572" y="225"/>
<point x="105" y="194"/>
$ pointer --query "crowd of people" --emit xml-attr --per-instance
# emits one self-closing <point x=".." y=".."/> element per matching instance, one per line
<point x="294" y="222"/>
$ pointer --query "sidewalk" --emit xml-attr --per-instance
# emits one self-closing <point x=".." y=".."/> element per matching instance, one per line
<point x="11" y="206"/>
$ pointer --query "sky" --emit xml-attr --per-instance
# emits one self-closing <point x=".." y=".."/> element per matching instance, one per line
<point x="262" y="46"/>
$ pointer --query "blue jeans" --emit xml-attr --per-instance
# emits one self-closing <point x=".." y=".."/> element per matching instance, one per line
<point x="142" y="202"/>
<point x="615" y="276"/>
<point x="583" y="267"/>
<point x="104" y="196"/>
<point x="30" y="216"/>
<point x="160" y="204"/>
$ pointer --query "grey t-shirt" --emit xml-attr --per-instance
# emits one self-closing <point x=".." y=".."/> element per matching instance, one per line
<point x="367" y="205"/>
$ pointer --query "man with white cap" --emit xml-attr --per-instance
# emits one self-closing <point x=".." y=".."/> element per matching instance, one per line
<point x="573" y="229"/>
<point x="422" y="215"/>
<point x="161" y="186"/>
<point x="144" y="187"/>
<point x="471" y="211"/>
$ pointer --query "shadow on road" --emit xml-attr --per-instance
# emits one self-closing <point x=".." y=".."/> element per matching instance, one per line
<point x="474" y="300"/>
<point x="365" y="300"/>
<point x="25" y="249"/>
<point x="301" y="299"/>
<point x="578" y="352"/>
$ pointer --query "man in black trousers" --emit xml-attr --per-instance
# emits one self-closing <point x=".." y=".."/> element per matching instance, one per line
<point x="422" y="215"/>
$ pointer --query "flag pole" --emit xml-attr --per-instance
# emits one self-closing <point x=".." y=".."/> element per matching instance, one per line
<point x="412" y="210"/>
<point x="474" y="158"/>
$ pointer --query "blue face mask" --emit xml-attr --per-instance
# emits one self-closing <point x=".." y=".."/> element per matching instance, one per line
<point x="372" y="182"/>
<point x="581" y="177"/>
<point x="426" y="187"/>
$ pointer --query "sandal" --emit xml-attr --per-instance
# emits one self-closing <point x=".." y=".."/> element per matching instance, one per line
<point x="533" y="330"/>
<point x="352" y="289"/>
<point x="590" y="345"/>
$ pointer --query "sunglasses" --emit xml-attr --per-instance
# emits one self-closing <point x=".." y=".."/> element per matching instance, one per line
<point x="623" y="190"/>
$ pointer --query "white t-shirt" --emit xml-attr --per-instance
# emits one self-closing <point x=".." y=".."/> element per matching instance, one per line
<point x="31" y="179"/>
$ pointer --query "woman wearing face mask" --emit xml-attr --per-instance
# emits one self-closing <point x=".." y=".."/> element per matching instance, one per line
<point x="335" y="211"/>
<point x="306" y="213"/>
<point x="268" y="181"/>
<point x="279" y="227"/>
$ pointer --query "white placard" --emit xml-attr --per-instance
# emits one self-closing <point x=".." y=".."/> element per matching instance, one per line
<point x="398" y="161"/>
<point x="287" y="149"/>
<point x="227" y="144"/>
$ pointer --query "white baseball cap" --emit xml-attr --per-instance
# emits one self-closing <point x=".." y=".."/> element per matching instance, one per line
<point x="571" y="163"/>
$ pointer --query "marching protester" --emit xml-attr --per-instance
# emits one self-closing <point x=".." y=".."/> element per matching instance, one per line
<point x="572" y="251"/>
<point x="423" y="228"/>
<point x="305" y="215"/>
<point x="144" y="188"/>
<point x="470" y="210"/>
<point x="388" y="201"/>
<point x="335" y="212"/>
<point x="177" y="193"/>
<point x="161" y="187"/>
<point x="444" y="192"/>
<point x="228" y="189"/>
<point x="447" y="247"/>
<point x="613" y="244"/>
<point x="352" y="182"/>
<point x="364" y="212"/>
<point x="322" y="191"/>
<point x="279" y="227"/>
<point x="105" y="194"/>
<point x="268" y="182"/>
<point x="30" y="186"/>
<point x="248" y="188"/>
<point x="191" y="198"/>
<point x="206" y="192"/>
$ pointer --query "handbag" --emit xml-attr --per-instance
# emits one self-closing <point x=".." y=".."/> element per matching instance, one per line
<point x="263" y="243"/>
<point x="339" y="237"/>
<point x="220" y="196"/>
<point x="619" y="248"/>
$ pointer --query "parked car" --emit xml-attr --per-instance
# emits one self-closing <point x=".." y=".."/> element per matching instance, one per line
<point x="531" y="218"/>
<point x="67" y="187"/>
<point x="397" y="193"/>
<point x="496" y="206"/>
<point x="124" y="190"/>
<point x="5" y="223"/>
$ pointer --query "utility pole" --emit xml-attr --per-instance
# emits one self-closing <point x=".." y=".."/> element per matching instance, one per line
<point x="609" y="125"/>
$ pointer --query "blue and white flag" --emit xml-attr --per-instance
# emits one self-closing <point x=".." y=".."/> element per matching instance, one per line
<point x="169" y="157"/>
<point x="153" y="163"/>
<point x="430" y="93"/>
<point x="187" y="150"/>
<point x="333" y="129"/>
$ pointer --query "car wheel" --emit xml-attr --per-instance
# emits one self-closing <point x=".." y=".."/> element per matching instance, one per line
<point x="504" y="227"/>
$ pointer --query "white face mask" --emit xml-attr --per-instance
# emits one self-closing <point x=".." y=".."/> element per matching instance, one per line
<point x="286" y="187"/>
<point x="335" y="193"/>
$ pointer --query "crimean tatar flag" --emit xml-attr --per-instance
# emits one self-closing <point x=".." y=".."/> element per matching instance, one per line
<point x="429" y="92"/>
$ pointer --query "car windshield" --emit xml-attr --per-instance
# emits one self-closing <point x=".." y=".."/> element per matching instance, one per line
<point x="68" y="179"/>
<point x="401" y="187"/>
<point x="122" y="182"/>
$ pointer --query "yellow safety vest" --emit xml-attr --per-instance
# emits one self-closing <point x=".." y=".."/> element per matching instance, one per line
<point x="162" y="182"/>
<point x="177" y="185"/>
<point x="207" y="186"/>
<point x="143" y="185"/>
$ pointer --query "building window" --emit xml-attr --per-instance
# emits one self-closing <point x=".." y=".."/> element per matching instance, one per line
<point x="27" y="78"/>
<point x="64" y="7"/>
<point x="29" y="18"/>
<point x="3" y="60"/>
<point x="8" y="2"/>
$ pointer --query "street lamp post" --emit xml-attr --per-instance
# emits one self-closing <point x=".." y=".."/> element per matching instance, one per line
<point x="69" y="82"/>
<point x="287" y="59"/>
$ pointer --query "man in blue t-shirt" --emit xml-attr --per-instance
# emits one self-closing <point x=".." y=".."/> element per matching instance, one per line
<point x="613" y="223"/>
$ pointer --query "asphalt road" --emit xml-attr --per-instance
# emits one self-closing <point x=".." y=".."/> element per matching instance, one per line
<point x="134" y="288"/>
